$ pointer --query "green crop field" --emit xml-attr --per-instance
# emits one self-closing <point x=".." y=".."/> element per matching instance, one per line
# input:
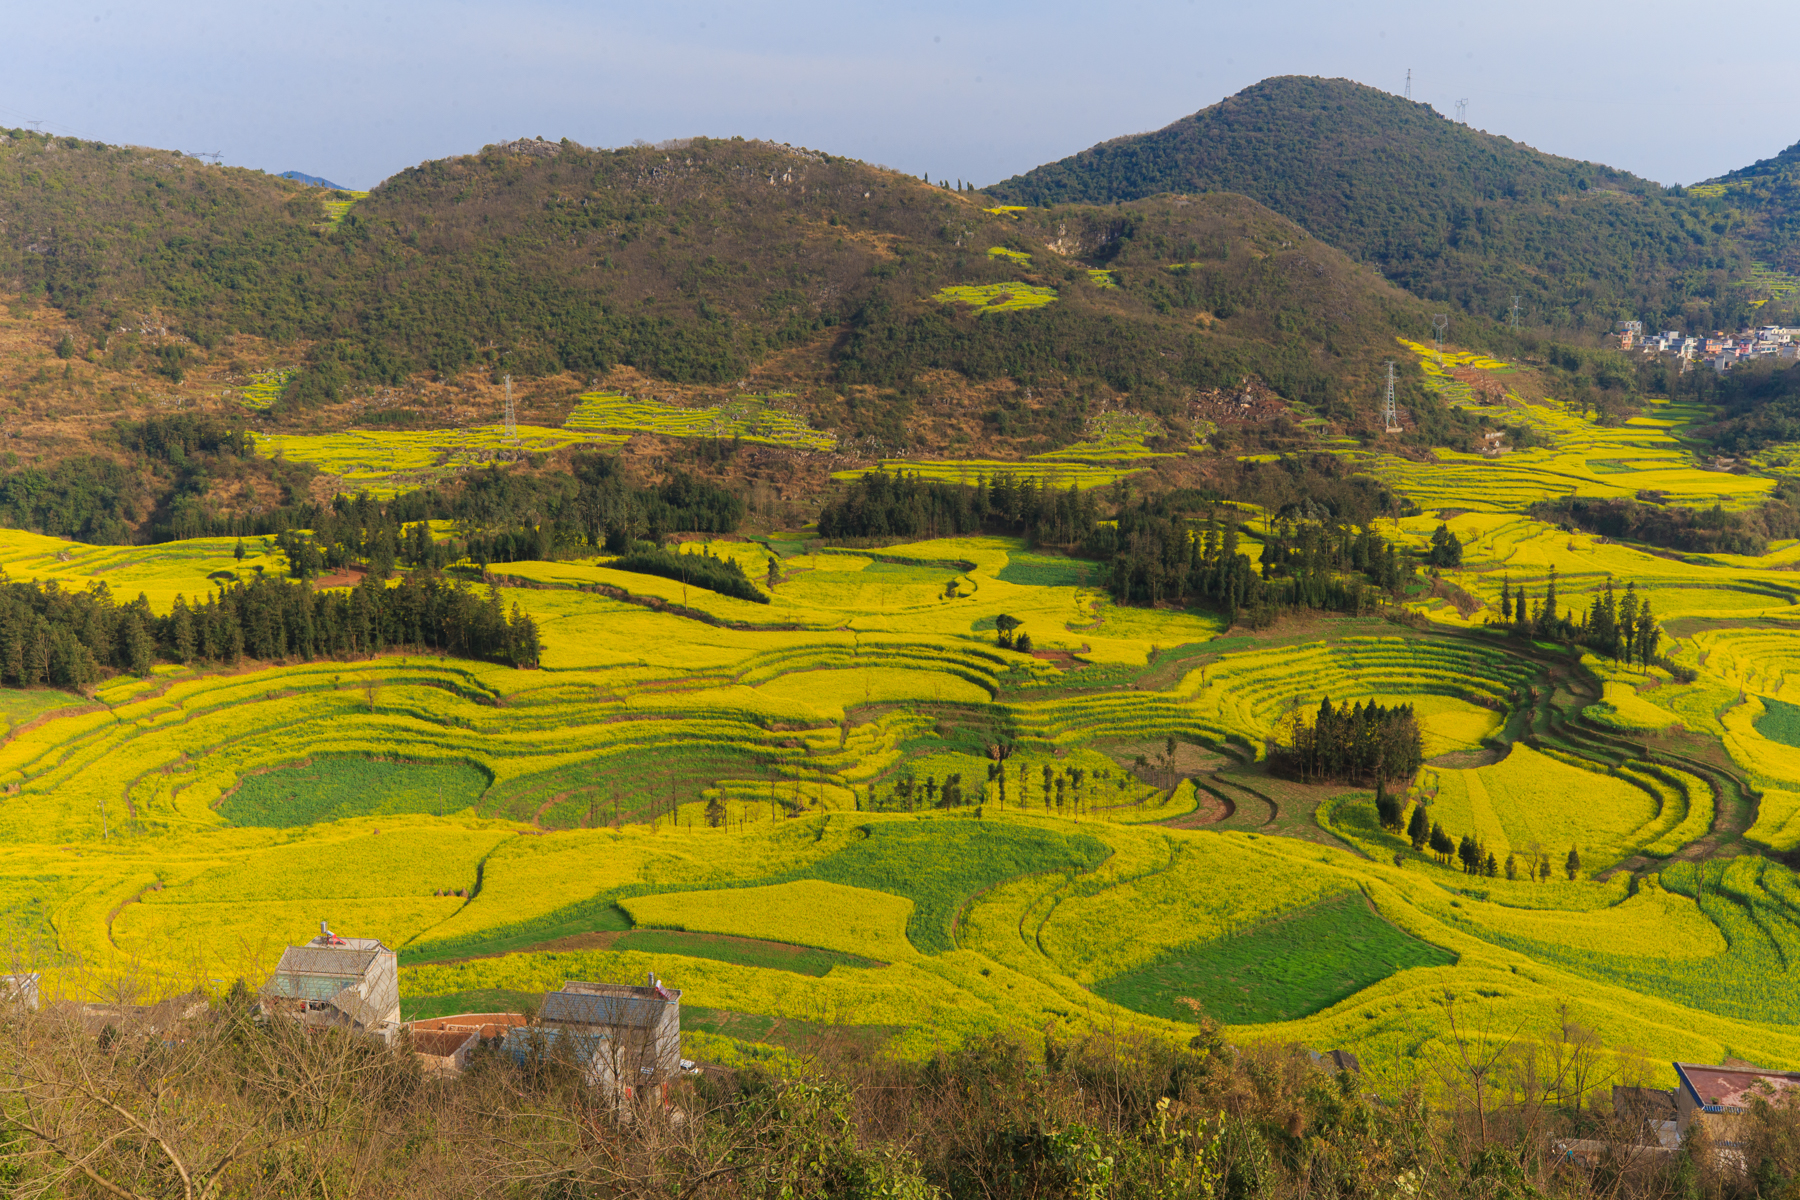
<point x="1303" y="961"/>
<point x="852" y="807"/>
<point x="333" y="788"/>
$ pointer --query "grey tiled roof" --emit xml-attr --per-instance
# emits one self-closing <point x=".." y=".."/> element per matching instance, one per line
<point x="344" y="963"/>
<point x="575" y="1008"/>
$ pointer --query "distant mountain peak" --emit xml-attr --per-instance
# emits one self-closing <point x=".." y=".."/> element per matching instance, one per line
<point x="1447" y="211"/>
<point x="313" y="180"/>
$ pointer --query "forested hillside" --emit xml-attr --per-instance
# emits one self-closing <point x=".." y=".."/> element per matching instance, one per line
<point x="1453" y="214"/>
<point x="1764" y="200"/>
<point x="698" y="266"/>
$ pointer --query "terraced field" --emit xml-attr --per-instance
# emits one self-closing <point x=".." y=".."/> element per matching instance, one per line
<point x="850" y="807"/>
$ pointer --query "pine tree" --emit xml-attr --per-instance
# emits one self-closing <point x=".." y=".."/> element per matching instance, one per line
<point x="1648" y="635"/>
<point x="1387" y="809"/>
<point x="1628" y="611"/>
<point x="1418" y="830"/>
<point x="1573" y="864"/>
<point x="181" y="631"/>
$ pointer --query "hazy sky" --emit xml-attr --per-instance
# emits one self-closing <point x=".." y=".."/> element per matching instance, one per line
<point x="356" y="89"/>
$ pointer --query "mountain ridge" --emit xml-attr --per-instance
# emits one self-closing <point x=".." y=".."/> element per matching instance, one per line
<point x="1452" y="214"/>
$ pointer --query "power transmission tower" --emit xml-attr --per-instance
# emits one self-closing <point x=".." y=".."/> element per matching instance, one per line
<point x="1390" y="413"/>
<point x="1462" y="111"/>
<point x="512" y="424"/>
<point x="1409" y="83"/>
<point x="1515" y="314"/>
<point x="1439" y="324"/>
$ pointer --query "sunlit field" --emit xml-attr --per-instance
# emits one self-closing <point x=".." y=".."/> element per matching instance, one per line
<point x="852" y="806"/>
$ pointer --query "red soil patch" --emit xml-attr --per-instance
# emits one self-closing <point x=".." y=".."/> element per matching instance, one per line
<point x="349" y="577"/>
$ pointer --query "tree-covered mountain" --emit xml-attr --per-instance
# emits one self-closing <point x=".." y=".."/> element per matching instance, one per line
<point x="698" y="264"/>
<point x="1457" y="216"/>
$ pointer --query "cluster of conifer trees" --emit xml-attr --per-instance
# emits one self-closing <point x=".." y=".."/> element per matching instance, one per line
<point x="1622" y="628"/>
<point x="49" y="635"/>
<point x="1158" y="556"/>
<point x="506" y="516"/>
<point x="880" y="505"/>
<point x="1446" y="550"/>
<point x="1362" y="742"/>
<point x="703" y="570"/>
<point x="1154" y="553"/>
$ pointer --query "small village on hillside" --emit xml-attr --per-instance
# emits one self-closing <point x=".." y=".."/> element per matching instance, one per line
<point x="1719" y="350"/>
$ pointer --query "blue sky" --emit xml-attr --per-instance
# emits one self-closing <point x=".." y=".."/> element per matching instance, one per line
<point x="357" y="90"/>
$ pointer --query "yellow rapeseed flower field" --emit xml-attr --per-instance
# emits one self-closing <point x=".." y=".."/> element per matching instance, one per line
<point x="777" y="773"/>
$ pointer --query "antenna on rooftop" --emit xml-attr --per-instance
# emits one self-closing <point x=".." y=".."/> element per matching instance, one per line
<point x="1409" y="83"/>
<point x="512" y="424"/>
<point x="1440" y="322"/>
<point x="1390" y="414"/>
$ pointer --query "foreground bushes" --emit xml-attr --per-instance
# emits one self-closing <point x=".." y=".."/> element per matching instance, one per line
<point x="218" y="1102"/>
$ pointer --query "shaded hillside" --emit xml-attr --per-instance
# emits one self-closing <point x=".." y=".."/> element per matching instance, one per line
<point x="1161" y="297"/>
<point x="1452" y="214"/>
<point x="696" y="265"/>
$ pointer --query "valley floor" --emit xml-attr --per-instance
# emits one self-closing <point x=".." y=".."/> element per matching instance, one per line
<point x="849" y="811"/>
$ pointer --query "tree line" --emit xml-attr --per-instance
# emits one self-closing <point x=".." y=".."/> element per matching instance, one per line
<point x="703" y="570"/>
<point x="904" y="505"/>
<point x="1695" y="530"/>
<point x="1621" y="628"/>
<point x="505" y="516"/>
<point x="1469" y="851"/>
<point x="71" y="639"/>
<point x="1155" y="551"/>
<point x="1068" y="787"/>
<point x="1158" y="556"/>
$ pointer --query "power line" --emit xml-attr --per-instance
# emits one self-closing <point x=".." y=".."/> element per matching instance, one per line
<point x="1390" y="412"/>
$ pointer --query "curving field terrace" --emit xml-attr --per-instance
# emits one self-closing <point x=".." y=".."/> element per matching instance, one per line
<point x="849" y="806"/>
